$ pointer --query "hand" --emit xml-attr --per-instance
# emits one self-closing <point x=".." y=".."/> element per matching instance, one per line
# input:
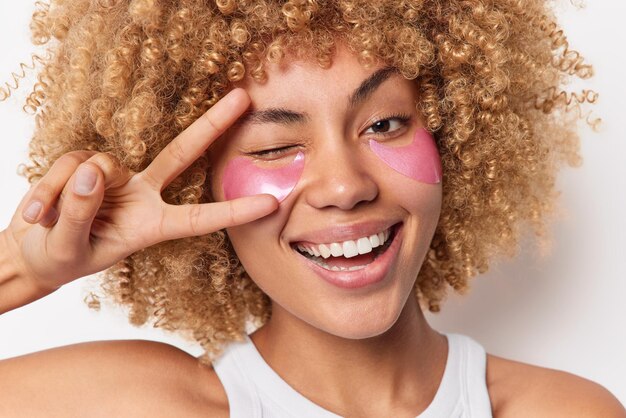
<point x="105" y="213"/>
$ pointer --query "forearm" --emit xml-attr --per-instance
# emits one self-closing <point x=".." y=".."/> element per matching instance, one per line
<point x="16" y="288"/>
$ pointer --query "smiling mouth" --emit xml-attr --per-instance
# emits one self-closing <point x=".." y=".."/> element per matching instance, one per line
<point x="351" y="255"/>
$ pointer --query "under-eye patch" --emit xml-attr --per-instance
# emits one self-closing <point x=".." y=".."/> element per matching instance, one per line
<point x="244" y="177"/>
<point x="419" y="160"/>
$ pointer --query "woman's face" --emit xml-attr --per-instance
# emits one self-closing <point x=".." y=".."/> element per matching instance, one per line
<point x="310" y="128"/>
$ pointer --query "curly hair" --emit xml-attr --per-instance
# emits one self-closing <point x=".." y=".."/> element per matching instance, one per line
<point x="126" y="76"/>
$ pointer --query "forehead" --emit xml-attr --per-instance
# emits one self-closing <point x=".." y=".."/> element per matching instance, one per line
<point x="305" y="80"/>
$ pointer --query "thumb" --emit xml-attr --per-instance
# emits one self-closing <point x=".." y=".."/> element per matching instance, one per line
<point x="70" y="236"/>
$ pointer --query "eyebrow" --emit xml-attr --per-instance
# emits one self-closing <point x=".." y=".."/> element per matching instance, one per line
<point x="369" y="85"/>
<point x="282" y="116"/>
<point x="274" y="115"/>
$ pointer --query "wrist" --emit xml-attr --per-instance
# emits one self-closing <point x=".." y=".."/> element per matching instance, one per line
<point x="17" y="288"/>
<point x="9" y="266"/>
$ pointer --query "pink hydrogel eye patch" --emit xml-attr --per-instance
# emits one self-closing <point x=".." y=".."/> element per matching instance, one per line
<point x="242" y="177"/>
<point x="419" y="160"/>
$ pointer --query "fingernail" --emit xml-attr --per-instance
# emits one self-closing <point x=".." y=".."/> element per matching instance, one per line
<point x="33" y="210"/>
<point x="49" y="218"/>
<point x="85" y="181"/>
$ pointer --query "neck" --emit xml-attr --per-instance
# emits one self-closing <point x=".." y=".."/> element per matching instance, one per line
<point x="402" y="366"/>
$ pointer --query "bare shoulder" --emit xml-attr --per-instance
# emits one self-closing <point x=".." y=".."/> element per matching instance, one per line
<point x="518" y="389"/>
<point x="110" y="378"/>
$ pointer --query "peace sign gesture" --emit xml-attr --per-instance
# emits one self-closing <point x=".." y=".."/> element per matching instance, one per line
<point x="106" y="213"/>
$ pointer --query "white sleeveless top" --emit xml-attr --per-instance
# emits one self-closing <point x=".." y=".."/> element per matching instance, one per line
<point x="255" y="390"/>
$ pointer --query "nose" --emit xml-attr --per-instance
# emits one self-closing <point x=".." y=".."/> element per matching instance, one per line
<point x="338" y="177"/>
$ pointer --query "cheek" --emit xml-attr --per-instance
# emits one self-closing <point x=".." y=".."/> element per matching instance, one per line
<point x="419" y="160"/>
<point x="244" y="178"/>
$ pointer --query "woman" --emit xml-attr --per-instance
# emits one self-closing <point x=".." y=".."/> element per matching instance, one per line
<point x="330" y="110"/>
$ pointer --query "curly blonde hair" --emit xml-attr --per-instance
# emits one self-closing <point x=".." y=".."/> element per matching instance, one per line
<point x="126" y="76"/>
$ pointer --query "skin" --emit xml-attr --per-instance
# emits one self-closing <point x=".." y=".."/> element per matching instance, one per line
<point x="373" y="340"/>
<point x="344" y="183"/>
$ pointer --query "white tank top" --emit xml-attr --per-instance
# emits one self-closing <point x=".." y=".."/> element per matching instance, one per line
<point x="255" y="390"/>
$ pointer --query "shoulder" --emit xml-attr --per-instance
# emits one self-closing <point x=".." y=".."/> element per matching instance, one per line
<point x="110" y="378"/>
<point x="519" y="389"/>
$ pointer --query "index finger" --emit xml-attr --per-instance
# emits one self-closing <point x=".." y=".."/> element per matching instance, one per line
<point x="190" y="144"/>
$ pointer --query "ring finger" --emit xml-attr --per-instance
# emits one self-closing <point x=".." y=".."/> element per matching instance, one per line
<point x="39" y="205"/>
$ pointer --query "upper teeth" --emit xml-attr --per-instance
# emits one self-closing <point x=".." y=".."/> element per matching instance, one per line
<point x="350" y="248"/>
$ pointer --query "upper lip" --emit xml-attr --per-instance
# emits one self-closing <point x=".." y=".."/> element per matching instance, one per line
<point x="339" y="233"/>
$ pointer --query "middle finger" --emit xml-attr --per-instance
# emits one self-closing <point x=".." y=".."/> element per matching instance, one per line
<point x="193" y="141"/>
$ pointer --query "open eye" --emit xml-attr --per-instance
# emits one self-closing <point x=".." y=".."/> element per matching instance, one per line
<point x="388" y="125"/>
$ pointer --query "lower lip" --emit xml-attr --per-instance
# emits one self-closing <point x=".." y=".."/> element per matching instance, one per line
<point x="374" y="272"/>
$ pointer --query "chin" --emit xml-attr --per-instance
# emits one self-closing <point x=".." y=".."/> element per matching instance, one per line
<point x="358" y="325"/>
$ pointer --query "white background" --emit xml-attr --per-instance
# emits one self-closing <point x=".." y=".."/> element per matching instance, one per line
<point x="566" y="311"/>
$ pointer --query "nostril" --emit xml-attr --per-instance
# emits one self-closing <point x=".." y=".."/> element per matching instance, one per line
<point x="342" y="191"/>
